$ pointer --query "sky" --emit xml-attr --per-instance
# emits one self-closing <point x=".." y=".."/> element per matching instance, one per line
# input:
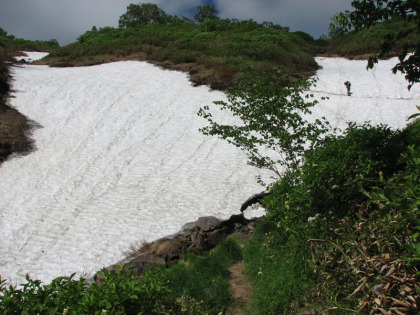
<point x="65" y="20"/>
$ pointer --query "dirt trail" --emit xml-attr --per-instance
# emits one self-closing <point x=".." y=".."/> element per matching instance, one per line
<point x="240" y="289"/>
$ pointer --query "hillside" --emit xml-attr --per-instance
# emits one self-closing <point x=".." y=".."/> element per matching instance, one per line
<point x="365" y="42"/>
<point x="213" y="53"/>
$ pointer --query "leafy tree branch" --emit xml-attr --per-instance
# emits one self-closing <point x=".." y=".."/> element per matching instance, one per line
<point x="368" y="12"/>
<point x="275" y="131"/>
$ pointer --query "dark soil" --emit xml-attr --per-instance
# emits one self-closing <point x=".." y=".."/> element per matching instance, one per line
<point x="14" y="131"/>
<point x="14" y="127"/>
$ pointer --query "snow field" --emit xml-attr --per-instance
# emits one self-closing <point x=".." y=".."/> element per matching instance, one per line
<point x="120" y="160"/>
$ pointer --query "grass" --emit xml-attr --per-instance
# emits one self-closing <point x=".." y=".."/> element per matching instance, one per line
<point x="205" y="279"/>
<point x="195" y="285"/>
<point x="279" y="272"/>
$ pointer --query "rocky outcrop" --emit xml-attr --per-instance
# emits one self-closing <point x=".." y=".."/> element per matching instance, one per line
<point x="194" y="237"/>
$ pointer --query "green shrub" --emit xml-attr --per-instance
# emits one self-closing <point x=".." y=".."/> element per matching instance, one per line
<point x="245" y="42"/>
<point x="120" y="292"/>
<point x="338" y="169"/>
<point x="273" y="130"/>
<point x="371" y="262"/>
<point x="368" y="40"/>
<point x="329" y="241"/>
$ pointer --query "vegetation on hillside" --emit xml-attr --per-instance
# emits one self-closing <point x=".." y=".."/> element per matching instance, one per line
<point x="9" y="44"/>
<point x="342" y="232"/>
<point x="194" y="285"/>
<point x="213" y="51"/>
<point x="367" y="41"/>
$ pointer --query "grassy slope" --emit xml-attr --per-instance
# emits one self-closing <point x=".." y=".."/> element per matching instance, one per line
<point x="367" y="41"/>
<point x="212" y="54"/>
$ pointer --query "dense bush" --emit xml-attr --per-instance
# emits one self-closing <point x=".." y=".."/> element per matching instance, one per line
<point x="194" y="285"/>
<point x="368" y="40"/>
<point x="341" y="166"/>
<point x="344" y="225"/>
<point x="119" y="292"/>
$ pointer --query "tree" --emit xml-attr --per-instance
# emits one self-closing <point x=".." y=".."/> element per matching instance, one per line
<point x="205" y="12"/>
<point x="368" y="12"/>
<point x="274" y="131"/>
<point x="53" y="43"/>
<point x="340" y="24"/>
<point x="142" y="14"/>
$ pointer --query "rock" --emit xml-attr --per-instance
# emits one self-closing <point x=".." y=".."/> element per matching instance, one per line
<point x="170" y="248"/>
<point x="254" y="199"/>
<point x="141" y="262"/>
<point x="204" y="223"/>
<point x="137" y="265"/>
<point x="214" y="237"/>
<point x="198" y="242"/>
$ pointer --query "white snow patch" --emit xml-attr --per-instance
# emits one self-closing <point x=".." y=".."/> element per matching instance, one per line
<point x="119" y="159"/>
<point x="31" y="56"/>
<point x="378" y="95"/>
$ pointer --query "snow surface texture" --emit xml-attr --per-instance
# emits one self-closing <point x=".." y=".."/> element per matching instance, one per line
<point x="377" y="96"/>
<point x="120" y="160"/>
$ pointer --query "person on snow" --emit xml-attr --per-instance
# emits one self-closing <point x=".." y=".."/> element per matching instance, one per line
<point x="348" y="85"/>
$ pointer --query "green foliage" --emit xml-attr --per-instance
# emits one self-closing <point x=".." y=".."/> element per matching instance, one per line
<point x="195" y="285"/>
<point x="399" y="197"/>
<point x="340" y="166"/>
<point x="373" y="259"/>
<point x="368" y="12"/>
<point x="340" y="24"/>
<point x="210" y="47"/>
<point x="278" y="270"/>
<point x="10" y="44"/>
<point x="206" y="12"/>
<point x="340" y="234"/>
<point x="368" y="40"/>
<point x="98" y="36"/>
<point x="273" y="131"/>
<point x="204" y="279"/>
<point x="333" y="176"/>
<point x="120" y="292"/>
<point x="142" y="14"/>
